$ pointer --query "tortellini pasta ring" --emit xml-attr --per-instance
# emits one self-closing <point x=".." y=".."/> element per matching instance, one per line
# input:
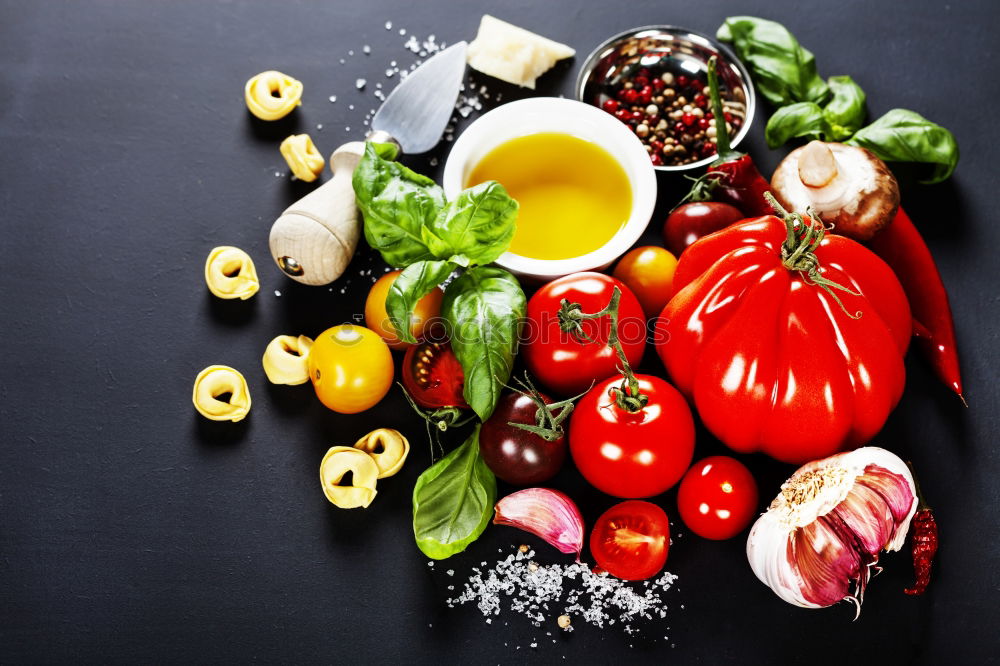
<point x="285" y="360"/>
<point x="387" y="447"/>
<point x="272" y="95"/>
<point x="230" y="273"/>
<point x="302" y="157"/>
<point x="212" y="383"/>
<point x="337" y="462"/>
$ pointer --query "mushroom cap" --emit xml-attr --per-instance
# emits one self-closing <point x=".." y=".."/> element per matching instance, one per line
<point x="859" y="201"/>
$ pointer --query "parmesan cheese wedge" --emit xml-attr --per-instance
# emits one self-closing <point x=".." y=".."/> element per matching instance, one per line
<point x="513" y="54"/>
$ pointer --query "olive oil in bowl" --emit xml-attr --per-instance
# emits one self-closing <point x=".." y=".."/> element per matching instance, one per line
<point x="574" y="196"/>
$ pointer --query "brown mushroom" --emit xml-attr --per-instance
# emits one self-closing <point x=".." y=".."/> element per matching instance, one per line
<point x="846" y="186"/>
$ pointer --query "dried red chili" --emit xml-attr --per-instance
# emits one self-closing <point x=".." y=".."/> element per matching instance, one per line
<point x="925" y="544"/>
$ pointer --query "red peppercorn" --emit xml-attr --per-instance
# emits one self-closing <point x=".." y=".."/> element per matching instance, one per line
<point x="682" y="81"/>
<point x="645" y="95"/>
<point x="658" y="84"/>
<point x="700" y="101"/>
<point x="656" y="145"/>
<point x="703" y="123"/>
<point x="708" y="114"/>
<point x="637" y="116"/>
<point x="656" y="159"/>
<point x="640" y="81"/>
<point x="688" y="119"/>
<point x="653" y="119"/>
<point x="680" y="128"/>
<point x="610" y="105"/>
<point x="623" y="115"/>
<point x="729" y="117"/>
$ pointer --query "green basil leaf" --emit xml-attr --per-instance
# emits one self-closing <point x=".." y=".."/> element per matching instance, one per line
<point x="396" y="204"/>
<point x="387" y="151"/>
<point x="453" y="501"/>
<point x="804" y="119"/>
<point x="416" y="281"/>
<point x="846" y="109"/>
<point x="484" y="308"/>
<point x="478" y="225"/>
<point x="783" y="71"/>
<point x="906" y="136"/>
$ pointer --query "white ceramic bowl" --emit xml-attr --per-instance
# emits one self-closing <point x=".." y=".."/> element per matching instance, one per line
<point x="551" y="114"/>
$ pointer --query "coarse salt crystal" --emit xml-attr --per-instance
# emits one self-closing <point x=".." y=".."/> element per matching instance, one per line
<point x="366" y="49"/>
<point x="333" y="98"/>
<point x="388" y="25"/>
<point x="360" y="84"/>
<point x="277" y="293"/>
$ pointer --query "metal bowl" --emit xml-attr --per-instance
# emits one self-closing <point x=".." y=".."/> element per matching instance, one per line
<point x="669" y="48"/>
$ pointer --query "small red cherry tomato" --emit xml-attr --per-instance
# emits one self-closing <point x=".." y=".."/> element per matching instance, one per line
<point x="689" y="222"/>
<point x="567" y="364"/>
<point x="629" y="454"/>
<point x="631" y="539"/>
<point x="717" y="498"/>
<point x="433" y="376"/>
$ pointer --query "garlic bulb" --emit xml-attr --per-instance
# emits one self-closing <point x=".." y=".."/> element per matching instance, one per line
<point x="822" y="534"/>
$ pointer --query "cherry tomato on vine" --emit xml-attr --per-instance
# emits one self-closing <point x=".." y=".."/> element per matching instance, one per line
<point x="350" y="368"/>
<point x="649" y="272"/>
<point x="433" y="376"/>
<point x="629" y="454"/>
<point x="631" y="540"/>
<point x="568" y="364"/>
<point x="428" y="309"/>
<point x="690" y="221"/>
<point x="717" y="497"/>
<point x="516" y="455"/>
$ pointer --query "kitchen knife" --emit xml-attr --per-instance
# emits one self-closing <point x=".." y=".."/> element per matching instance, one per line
<point x="315" y="238"/>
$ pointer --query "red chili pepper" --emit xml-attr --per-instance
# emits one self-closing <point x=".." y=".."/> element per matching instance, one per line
<point x="904" y="249"/>
<point x="925" y="545"/>
<point x="741" y="185"/>
<point x="733" y="178"/>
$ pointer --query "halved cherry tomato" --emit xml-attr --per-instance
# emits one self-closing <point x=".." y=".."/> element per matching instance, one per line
<point x="350" y="368"/>
<point x="433" y="376"/>
<point x="568" y="365"/>
<point x="689" y="222"/>
<point x="717" y="497"/>
<point x="629" y="454"/>
<point x="427" y="310"/>
<point x="631" y="540"/>
<point x="649" y="272"/>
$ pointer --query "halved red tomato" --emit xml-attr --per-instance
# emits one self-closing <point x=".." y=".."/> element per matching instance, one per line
<point x="631" y="539"/>
<point x="433" y="376"/>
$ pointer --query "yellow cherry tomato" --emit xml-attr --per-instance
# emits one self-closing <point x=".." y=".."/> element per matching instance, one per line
<point x="428" y="309"/>
<point x="649" y="272"/>
<point x="350" y="368"/>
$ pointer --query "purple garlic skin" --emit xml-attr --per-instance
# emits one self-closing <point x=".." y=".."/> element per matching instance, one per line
<point x="548" y="514"/>
<point x="821" y="536"/>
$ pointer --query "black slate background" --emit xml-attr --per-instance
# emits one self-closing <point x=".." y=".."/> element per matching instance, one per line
<point x="132" y="530"/>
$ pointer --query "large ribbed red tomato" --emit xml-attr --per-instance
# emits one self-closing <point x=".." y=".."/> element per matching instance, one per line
<point x="769" y="358"/>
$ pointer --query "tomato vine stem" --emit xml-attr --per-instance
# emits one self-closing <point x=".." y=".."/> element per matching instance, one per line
<point x="798" y="252"/>
<point x="571" y="316"/>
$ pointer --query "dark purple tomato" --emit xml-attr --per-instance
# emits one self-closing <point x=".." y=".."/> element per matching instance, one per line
<point x="517" y="456"/>
<point x="689" y="222"/>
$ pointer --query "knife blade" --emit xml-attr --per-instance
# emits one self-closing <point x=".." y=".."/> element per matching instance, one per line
<point x="416" y="112"/>
<point x="314" y="239"/>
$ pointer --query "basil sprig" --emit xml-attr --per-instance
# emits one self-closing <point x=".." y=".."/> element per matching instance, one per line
<point x="407" y="219"/>
<point x="453" y="501"/>
<point x="834" y="110"/>
<point x="484" y="308"/>
<point x="906" y="136"/>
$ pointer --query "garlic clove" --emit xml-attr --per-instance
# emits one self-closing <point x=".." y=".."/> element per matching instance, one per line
<point x="212" y="383"/>
<point x="230" y="273"/>
<point x="387" y="447"/>
<point x="286" y="360"/>
<point x="548" y="514"/>
<point x="821" y="536"/>
<point x="337" y="462"/>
